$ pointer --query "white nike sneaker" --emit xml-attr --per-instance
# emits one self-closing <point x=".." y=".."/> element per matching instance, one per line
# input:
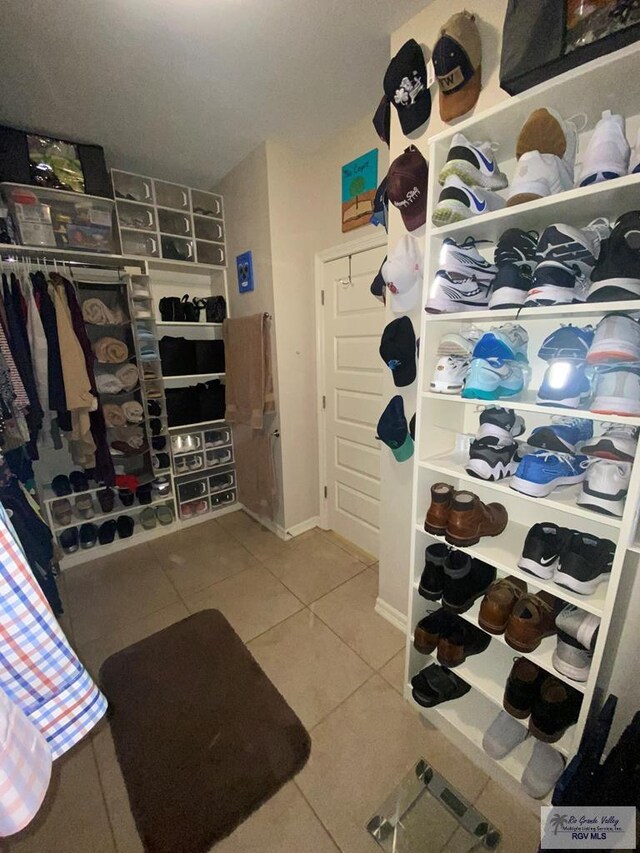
<point x="607" y="154"/>
<point x="539" y="176"/>
<point x="474" y="164"/>
<point x="634" y="159"/>
<point x="458" y="201"/>
<point x="449" y="374"/>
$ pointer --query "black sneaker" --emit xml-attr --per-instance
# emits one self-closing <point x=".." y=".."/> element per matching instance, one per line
<point x="432" y="578"/>
<point x="465" y="580"/>
<point x="542" y="549"/>
<point x="616" y="274"/>
<point x="585" y="562"/>
<point x="515" y="258"/>
<point x="491" y="458"/>
<point x="500" y="423"/>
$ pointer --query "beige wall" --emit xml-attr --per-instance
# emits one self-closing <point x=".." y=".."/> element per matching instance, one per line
<point x="246" y="207"/>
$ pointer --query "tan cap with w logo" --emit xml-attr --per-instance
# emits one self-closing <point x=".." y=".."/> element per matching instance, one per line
<point x="457" y="58"/>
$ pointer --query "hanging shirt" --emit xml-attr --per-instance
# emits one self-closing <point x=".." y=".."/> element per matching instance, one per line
<point x="39" y="671"/>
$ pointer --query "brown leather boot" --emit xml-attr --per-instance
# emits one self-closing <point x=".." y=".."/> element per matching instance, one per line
<point x="438" y="512"/>
<point x="522" y="688"/>
<point x="469" y="519"/>
<point x="532" y="619"/>
<point x="498" y="602"/>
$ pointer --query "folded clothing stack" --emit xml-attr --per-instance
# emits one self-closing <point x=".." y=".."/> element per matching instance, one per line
<point x="110" y="350"/>
<point x="182" y="357"/>
<point x="196" y="403"/>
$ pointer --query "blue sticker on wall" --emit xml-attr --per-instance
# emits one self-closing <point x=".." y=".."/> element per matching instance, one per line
<point x="244" y="265"/>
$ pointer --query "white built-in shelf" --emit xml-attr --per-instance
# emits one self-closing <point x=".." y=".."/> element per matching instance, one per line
<point x="188" y="325"/>
<point x="197" y="450"/>
<point x="503" y="552"/>
<point x="563" y="498"/>
<point x="540" y="312"/>
<point x="189" y="377"/>
<point x="197" y="426"/>
<point x="526" y="402"/>
<point x="117" y="511"/>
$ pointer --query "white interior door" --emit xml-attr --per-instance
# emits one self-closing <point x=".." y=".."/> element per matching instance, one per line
<point x="353" y="371"/>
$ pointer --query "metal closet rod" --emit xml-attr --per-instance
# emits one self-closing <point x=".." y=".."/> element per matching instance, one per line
<point x="50" y="262"/>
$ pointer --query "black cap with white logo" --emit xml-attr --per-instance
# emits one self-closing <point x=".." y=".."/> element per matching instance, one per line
<point x="405" y="85"/>
<point x="382" y="119"/>
<point x="398" y="351"/>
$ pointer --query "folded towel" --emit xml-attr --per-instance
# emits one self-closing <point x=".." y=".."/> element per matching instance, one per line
<point x="133" y="411"/>
<point x="110" y="351"/>
<point x="133" y="435"/>
<point x="107" y="383"/>
<point x="128" y="375"/>
<point x="94" y="311"/>
<point x="114" y="415"/>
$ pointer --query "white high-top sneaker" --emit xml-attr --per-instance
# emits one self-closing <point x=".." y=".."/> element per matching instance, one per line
<point x="607" y="154"/>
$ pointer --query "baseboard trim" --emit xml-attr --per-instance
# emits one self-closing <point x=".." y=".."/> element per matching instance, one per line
<point x="395" y="617"/>
<point x="299" y="529"/>
<point x="279" y="531"/>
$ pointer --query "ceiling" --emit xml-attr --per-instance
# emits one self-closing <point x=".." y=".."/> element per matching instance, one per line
<point x="184" y="89"/>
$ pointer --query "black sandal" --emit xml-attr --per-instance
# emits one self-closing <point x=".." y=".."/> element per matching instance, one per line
<point x="436" y="684"/>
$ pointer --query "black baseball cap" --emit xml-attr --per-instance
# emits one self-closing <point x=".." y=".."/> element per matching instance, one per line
<point x="405" y="85"/>
<point x="382" y="119"/>
<point x="392" y="429"/>
<point x="412" y="427"/>
<point x="379" y="285"/>
<point x="407" y="187"/>
<point x="398" y="351"/>
<point x="380" y="215"/>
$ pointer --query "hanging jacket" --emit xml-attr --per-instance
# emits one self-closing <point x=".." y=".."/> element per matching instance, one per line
<point x="39" y="671"/>
<point x="55" y="380"/>
<point x="39" y="357"/>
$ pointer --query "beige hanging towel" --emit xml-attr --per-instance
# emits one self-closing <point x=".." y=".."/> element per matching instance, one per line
<point x="249" y="381"/>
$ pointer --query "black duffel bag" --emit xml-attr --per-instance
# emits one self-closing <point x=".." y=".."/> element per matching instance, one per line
<point x="180" y="310"/>
<point x="215" y="309"/>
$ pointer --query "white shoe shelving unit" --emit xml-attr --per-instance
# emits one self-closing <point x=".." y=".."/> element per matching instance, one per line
<point x="440" y="418"/>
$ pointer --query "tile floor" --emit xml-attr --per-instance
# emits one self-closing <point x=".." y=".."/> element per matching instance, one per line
<point x="306" y="610"/>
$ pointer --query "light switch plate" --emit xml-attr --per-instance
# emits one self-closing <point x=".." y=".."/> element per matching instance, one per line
<point x="244" y="266"/>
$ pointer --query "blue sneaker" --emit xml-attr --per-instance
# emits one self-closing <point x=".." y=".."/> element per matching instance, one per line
<point x="539" y="473"/>
<point x="508" y="342"/>
<point x="492" y="378"/>
<point x="567" y="342"/>
<point x="565" y="384"/>
<point x="562" y="435"/>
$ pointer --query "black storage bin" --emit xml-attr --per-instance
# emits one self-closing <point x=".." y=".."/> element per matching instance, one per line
<point x="183" y="406"/>
<point x="15" y="165"/>
<point x="209" y="356"/>
<point x="212" y="400"/>
<point x="178" y="356"/>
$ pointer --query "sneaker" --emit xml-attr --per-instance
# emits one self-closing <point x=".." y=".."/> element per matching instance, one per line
<point x="501" y="423"/>
<point x="507" y="342"/>
<point x="584" y="563"/>
<point x="475" y="165"/>
<point x="545" y="767"/>
<point x="457" y="201"/>
<point x="542" y="548"/>
<point x="605" y="487"/>
<point x="515" y="259"/>
<point x="539" y="176"/>
<point x="556" y="707"/>
<point x="562" y="435"/>
<point x="539" y="473"/>
<point x="432" y="578"/>
<point x="567" y="342"/>
<point x="617" y="339"/>
<point x="465" y="580"/>
<point x="579" y="625"/>
<point x="617" y="442"/>
<point x="571" y="659"/>
<point x="607" y="154"/>
<point x="547" y="132"/>
<point x="616" y="274"/>
<point x="493" y="378"/>
<point x="634" y="159"/>
<point x="617" y="391"/>
<point x="449" y="374"/>
<point x="492" y="459"/>
<point x="459" y="343"/>
<point x="564" y="384"/>
<point x="502" y="736"/>
<point x="463" y="281"/>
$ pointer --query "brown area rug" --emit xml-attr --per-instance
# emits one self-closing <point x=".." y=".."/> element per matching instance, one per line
<point x="202" y="736"/>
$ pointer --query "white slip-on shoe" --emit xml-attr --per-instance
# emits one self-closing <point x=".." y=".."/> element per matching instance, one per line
<point x="457" y="201"/>
<point x="475" y="164"/>
<point x="607" y="154"/>
<point x="503" y="735"/>
<point x="539" y="176"/>
<point x="543" y="770"/>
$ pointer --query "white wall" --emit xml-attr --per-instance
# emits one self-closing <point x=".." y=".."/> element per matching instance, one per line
<point x="396" y="518"/>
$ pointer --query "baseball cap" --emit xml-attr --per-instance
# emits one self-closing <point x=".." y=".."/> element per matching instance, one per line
<point x="402" y="272"/>
<point x="457" y="57"/>
<point x="407" y="187"/>
<point x="412" y="427"/>
<point x="382" y="119"/>
<point x="405" y="85"/>
<point x="379" y="285"/>
<point x="380" y="215"/>
<point x="398" y="351"/>
<point x="392" y="429"/>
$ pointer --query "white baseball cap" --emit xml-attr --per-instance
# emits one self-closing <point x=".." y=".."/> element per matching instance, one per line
<point x="402" y="272"/>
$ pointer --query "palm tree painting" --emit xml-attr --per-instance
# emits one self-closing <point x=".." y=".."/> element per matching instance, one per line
<point x="359" y="182"/>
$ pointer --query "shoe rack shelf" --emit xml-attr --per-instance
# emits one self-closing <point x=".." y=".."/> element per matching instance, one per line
<point x="120" y="510"/>
<point x="441" y="419"/>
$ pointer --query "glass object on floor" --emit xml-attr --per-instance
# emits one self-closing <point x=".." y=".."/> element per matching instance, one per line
<point x="425" y="812"/>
